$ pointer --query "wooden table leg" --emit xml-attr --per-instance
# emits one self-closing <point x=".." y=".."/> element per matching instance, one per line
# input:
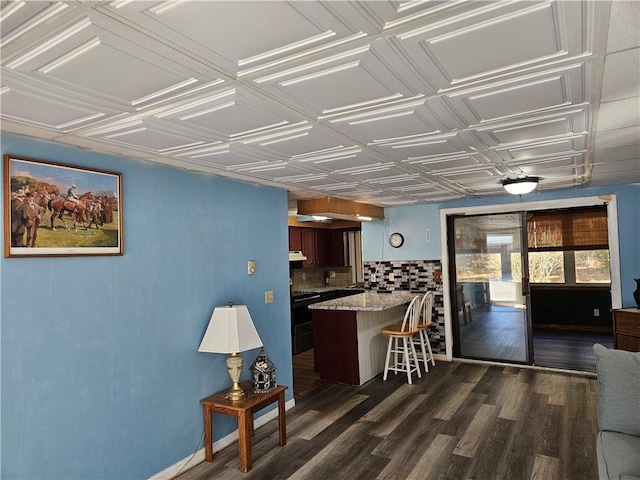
<point x="208" y="440"/>
<point x="282" y="421"/>
<point x="245" y="419"/>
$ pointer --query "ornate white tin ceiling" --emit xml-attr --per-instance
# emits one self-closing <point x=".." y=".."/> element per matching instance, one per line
<point x="384" y="102"/>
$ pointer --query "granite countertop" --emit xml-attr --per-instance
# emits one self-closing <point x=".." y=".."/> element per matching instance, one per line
<point x="366" y="302"/>
<point x="326" y="289"/>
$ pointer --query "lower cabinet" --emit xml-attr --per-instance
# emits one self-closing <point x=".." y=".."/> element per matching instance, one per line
<point x="626" y="329"/>
<point x="335" y="346"/>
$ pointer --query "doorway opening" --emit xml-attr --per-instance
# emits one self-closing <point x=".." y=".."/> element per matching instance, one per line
<point x="531" y="287"/>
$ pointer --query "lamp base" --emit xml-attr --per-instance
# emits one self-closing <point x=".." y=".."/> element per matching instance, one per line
<point x="235" y="394"/>
<point x="234" y="367"/>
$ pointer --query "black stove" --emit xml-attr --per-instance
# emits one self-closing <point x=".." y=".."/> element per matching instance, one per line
<point x="301" y="318"/>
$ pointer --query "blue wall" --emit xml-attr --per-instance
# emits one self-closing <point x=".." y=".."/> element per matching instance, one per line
<point x="101" y="377"/>
<point x="413" y="220"/>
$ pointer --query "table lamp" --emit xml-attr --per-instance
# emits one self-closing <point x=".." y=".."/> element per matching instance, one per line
<point x="231" y="331"/>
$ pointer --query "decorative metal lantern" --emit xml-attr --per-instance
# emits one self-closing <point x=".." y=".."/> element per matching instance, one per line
<point x="263" y="373"/>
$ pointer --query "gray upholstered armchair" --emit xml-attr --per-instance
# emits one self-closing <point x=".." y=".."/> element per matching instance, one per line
<point x="618" y="441"/>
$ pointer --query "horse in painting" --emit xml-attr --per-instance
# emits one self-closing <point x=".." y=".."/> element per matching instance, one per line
<point x="61" y="205"/>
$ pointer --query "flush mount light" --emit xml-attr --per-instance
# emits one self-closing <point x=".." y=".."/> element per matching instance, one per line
<point x="521" y="185"/>
<point x="319" y="218"/>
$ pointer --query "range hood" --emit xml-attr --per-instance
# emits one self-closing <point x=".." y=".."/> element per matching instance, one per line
<point x="340" y="208"/>
<point x="296" y="256"/>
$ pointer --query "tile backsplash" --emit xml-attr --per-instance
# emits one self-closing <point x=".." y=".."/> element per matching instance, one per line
<point x="303" y="278"/>
<point x="415" y="276"/>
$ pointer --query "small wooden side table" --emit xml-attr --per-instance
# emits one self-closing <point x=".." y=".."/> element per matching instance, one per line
<point x="243" y="410"/>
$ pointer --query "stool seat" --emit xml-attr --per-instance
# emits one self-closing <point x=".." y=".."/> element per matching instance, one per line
<point x="397" y="330"/>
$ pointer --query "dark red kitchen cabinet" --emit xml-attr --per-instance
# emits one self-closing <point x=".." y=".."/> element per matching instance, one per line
<point x="339" y="256"/>
<point x="335" y="346"/>
<point x="309" y="247"/>
<point x="295" y="239"/>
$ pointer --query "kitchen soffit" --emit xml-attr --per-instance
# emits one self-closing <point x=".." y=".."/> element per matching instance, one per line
<point x="387" y="103"/>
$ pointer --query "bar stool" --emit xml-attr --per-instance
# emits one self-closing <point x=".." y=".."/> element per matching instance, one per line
<point x="421" y="339"/>
<point x="400" y="344"/>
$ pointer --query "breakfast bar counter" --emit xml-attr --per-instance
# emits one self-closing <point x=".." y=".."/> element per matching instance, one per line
<point x="366" y="302"/>
<point x="348" y="346"/>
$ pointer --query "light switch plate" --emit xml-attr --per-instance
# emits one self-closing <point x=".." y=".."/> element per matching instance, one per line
<point x="268" y="296"/>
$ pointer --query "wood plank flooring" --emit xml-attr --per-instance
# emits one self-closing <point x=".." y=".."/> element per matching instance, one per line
<point x="305" y="377"/>
<point x="571" y="350"/>
<point x="460" y="421"/>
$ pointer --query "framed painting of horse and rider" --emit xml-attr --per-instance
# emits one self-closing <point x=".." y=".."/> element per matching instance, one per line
<point x="53" y="209"/>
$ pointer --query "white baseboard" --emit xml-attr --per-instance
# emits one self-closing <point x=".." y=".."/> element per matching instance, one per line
<point x="198" y="457"/>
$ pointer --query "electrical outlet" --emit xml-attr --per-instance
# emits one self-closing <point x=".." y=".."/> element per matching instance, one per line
<point x="268" y="296"/>
<point x="332" y="274"/>
<point x="251" y="267"/>
<point x="373" y="277"/>
<point x="391" y="276"/>
<point x="304" y="276"/>
<point x="596" y="312"/>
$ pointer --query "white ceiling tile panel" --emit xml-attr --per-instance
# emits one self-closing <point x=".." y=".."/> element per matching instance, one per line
<point x="619" y="114"/>
<point x="151" y="137"/>
<point x="225" y="157"/>
<point x="346" y="160"/>
<point x="621" y="137"/>
<point x="553" y="147"/>
<point x="472" y="175"/>
<point x="455" y="162"/>
<point x="388" y="102"/>
<point x="229" y="114"/>
<point x="302" y="141"/>
<point x="616" y="154"/>
<point x="623" y="31"/>
<point x="350" y="80"/>
<point x="614" y="172"/>
<point x="23" y="21"/>
<point x="397" y="122"/>
<point x="423" y="147"/>
<point x="240" y="36"/>
<point x="472" y="46"/>
<point x="535" y="128"/>
<point x="46" y="112"/>
<point x="526" y="95"/>
<point x="621" y="76"/>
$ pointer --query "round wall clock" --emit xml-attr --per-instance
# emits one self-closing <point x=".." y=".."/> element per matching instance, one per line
<point x="396" y="240"/>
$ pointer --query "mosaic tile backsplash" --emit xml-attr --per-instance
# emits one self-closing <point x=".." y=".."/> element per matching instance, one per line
<point x="415" y="276"/>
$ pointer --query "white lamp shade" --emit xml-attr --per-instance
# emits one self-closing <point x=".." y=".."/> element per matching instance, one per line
<point x="230" y="330"/>
<point x="520" y="186"/>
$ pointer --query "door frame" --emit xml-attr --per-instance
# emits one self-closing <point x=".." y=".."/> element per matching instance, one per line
<point x="614" y="248"/>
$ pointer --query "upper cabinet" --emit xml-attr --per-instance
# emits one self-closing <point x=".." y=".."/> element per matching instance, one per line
<point x="295" y="239"/>
<point x="339" y="254"/>
<point x="322" y="247"/>
<point x="309" y="247"/>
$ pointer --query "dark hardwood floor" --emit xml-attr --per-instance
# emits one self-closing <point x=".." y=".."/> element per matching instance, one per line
<point x="568" y="349"/>
<point x="460" y="421"/>
<point x="305" y="378"/>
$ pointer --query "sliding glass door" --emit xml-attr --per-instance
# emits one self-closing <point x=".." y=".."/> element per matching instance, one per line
<point x="490" y="287"/>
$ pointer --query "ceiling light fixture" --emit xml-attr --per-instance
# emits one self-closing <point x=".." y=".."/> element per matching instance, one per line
<point x="521" y="185"/>
<point x="363" y="218"/>
<point x="319" y="218"/>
